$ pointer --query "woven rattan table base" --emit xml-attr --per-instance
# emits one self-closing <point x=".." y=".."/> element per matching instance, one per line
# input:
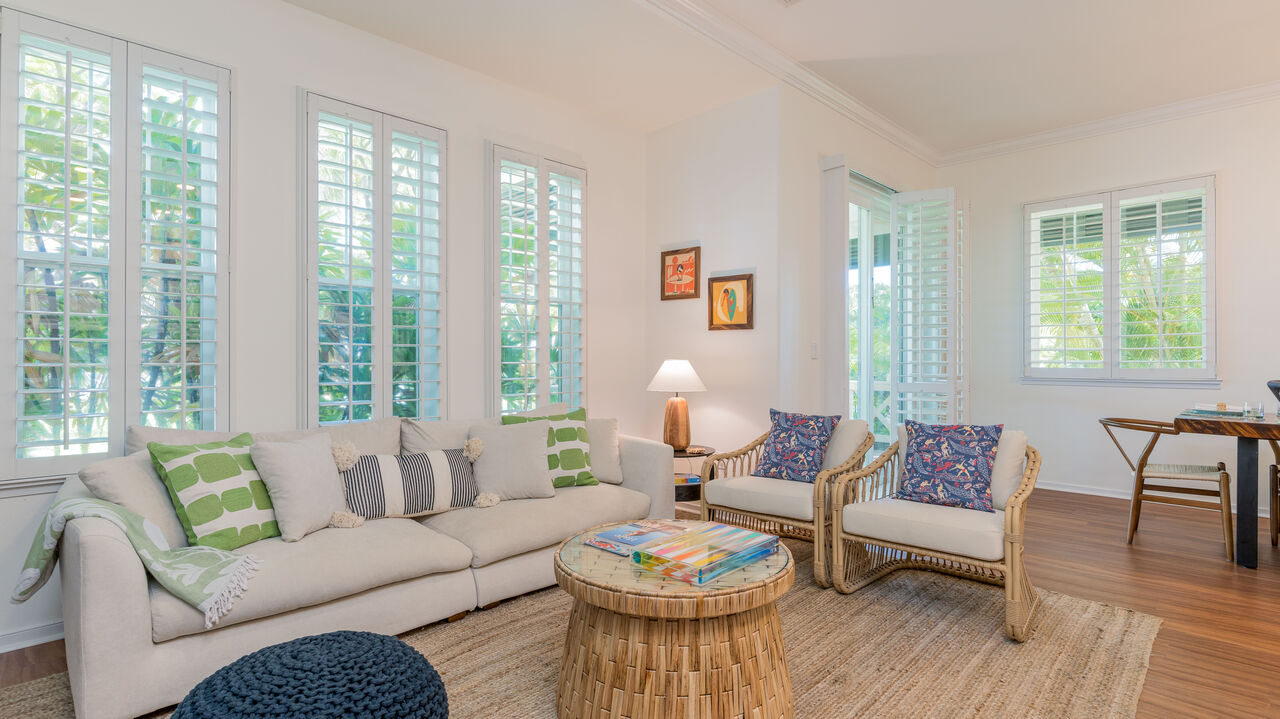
<point x="729" y="666"/>
<point x="644" y="646"/>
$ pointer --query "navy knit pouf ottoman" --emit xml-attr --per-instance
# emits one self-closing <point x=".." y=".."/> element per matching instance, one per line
<point x="340" y="674"/>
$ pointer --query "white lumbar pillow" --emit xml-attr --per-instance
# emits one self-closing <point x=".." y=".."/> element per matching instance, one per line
<point x="302" y="480"/>
<point x="513" y="464"/>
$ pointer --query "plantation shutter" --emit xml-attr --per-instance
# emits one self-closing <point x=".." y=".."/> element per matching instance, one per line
<point x="180" y="138"/>
<point x="926" y="309"/>
<point x="1163" y="282"/>
<point x="66" y="110"/>
<point x="566" y="308"/>
<point x="1066" y="292"/>
<point x="539" y="286"/>
<point x="415" y="293"/>
<point x="1120" y="285"/>
<point x="375" y="264"/>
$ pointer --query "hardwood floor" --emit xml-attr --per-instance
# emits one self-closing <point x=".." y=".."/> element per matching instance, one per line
<point x="1218" y="651"/>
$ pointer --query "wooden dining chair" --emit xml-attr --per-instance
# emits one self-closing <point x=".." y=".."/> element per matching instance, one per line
<point x="1188" y="480"/>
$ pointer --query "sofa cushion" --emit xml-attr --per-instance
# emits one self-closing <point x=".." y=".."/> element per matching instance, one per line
<point x="513" y="461"/>
<point x="132" y="483"/>
<point x="418" y="436"/>
<point x="967" y="532"/>
<point x="321" y="567"/>
<point x="380" y="436"/>
<point x="606" y="450"/>
<point x="764" y="495"/>
<point x="568" y="450"/>
<point x="303" y="483"/>
<point x="517" y="526"/>
<point x="795" y="446"/>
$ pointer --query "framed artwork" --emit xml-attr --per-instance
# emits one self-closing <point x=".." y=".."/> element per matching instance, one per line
<point x="730" y="302"/>
<point x="682" y="274"/>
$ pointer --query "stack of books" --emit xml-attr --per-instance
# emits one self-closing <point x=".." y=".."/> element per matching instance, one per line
<point x="704" y="552"/>
<point x="621" y="540"/>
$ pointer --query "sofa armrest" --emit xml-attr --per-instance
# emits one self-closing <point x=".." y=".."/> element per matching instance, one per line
<point x="106" y="616"/>
<point x="649" y="467"/>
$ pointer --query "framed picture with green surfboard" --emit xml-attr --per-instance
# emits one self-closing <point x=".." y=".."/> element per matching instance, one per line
<point x="731" y="302"/>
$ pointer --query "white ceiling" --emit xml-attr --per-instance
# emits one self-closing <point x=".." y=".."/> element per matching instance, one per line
<point x="960" y="74"/>
<point x="615" y="58"/>
<point x="954" y="74"/>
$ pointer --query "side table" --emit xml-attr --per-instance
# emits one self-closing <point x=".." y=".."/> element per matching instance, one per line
<point x="691" y="491"/>
<point x="641" y="645"/>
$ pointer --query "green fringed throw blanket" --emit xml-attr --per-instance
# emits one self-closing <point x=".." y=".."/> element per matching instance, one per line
<point x="206" y="578"/>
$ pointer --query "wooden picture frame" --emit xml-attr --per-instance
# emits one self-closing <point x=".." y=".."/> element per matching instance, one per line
<point x="731" y="302"/>
<point x="680" y="274"/>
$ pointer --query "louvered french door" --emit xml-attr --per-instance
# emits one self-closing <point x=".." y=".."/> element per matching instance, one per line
<point x="927" y="310"/>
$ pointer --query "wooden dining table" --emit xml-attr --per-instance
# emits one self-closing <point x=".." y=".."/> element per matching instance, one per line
<point x="1247" y="433"/>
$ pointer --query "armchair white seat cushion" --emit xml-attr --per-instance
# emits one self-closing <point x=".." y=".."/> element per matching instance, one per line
<point x="951" y="530"/>
<point x="763" y="495"/>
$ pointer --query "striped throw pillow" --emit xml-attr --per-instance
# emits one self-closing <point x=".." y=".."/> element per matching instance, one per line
<point x="408" y="485"/>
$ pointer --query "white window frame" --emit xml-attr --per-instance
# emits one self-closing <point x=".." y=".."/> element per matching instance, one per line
<point x="544" y="168"/>
<point x="125" y="217"/>
<point x="1110" y="373"/>
<point x="384" y="125"/>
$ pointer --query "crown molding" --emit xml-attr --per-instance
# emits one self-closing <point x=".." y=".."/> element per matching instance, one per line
<point x="737" y="39"/>
<point x="1117" y="123"/>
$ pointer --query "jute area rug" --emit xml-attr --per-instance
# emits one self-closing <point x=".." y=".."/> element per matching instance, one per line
<point x="914" y="644"/>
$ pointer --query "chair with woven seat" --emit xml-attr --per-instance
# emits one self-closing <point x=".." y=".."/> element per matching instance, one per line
<point x="1188" y="480"/>
<point x="731" y="494"/>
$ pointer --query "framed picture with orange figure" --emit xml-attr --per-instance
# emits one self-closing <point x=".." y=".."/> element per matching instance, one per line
<point x="682" y="274"/>
<point x="730" y="304"/>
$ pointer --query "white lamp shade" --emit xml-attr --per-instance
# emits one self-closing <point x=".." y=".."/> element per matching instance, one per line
<point x="676" y="375"/>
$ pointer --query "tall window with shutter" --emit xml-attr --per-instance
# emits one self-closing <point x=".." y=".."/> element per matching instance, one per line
<point x="375" y="265"/>
<point x="1120" y="285"/>
<point x="539" y="283"/>
<point x="118" y="210"/>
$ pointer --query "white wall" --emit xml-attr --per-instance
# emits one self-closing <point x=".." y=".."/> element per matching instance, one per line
<point x="743" y="181"/>
<point x="713" y="181"/>
<point x="273" y="49"/>
<point x="1242" y="147"/>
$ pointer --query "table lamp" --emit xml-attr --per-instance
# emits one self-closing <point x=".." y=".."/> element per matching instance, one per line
<point x="676" y="375"/>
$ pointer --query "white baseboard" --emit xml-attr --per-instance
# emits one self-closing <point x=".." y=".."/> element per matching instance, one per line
<point x="1264" y="509"/>
<point x="24" y="638"/>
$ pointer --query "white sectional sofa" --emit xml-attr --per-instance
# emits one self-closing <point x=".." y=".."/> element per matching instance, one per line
<point x="132" y="647"/>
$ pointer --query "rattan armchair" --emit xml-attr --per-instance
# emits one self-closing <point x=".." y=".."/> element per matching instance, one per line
<point x="858" y="560"/>
<point x="741" y="463"/>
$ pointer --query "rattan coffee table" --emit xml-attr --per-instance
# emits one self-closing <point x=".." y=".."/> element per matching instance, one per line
<point x="644" y="646"/>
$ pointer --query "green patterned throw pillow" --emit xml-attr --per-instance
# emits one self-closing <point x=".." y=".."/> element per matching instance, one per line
<point x="568" y="451"/>
<point x="216" y="491"/>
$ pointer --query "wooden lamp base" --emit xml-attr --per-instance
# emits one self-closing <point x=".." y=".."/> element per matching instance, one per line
<point x="675" y="428"/>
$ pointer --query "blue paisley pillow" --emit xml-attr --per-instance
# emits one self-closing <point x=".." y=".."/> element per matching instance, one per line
<point x="950" y="464"/>
<point x="795" y="446"/>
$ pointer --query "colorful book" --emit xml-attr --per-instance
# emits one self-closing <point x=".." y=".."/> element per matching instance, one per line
<point x="621" y="540"/>
<point x="701" y="555"/>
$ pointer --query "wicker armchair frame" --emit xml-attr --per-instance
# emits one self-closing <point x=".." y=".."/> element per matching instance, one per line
<point x="741" y="462"/>
<point x="858" y="561"/>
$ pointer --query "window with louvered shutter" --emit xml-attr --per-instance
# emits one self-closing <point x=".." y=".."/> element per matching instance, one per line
<point x="65" y="239"/>
<point x="539" y="281"/>
<point x="182" y="253"/>
<point x="375" y="245"/>
<point x="118" y="208"/>
<point x="1120" y="285"/>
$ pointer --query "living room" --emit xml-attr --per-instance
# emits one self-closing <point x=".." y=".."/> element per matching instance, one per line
<point x="758" y="188"/>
